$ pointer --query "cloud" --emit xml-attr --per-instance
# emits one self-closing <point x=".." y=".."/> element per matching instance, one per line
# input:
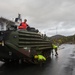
<point x="42" y="14"/>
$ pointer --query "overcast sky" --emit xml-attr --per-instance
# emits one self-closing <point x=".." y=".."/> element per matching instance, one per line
<point x="49" y="16"/>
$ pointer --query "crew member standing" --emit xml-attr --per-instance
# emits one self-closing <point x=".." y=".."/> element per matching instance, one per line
<point x="55" y="48"/>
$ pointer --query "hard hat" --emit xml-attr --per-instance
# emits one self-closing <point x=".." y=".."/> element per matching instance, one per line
<point x="36" y="56"/>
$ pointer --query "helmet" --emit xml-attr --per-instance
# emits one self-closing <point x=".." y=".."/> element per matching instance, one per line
<point x="36" y="56"/>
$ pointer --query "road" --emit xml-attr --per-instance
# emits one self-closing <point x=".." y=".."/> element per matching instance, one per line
<point x="64" y="64"/>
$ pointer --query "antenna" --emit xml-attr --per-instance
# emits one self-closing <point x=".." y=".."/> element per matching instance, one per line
<point x="19" y="16"/>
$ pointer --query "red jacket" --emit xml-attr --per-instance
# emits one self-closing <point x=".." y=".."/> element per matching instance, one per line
<point x="23" y="26"/>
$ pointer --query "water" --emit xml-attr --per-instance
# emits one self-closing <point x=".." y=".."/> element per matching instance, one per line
<point x="61" y="65"/>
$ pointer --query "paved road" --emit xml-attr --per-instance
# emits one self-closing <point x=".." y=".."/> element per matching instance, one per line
<point x="64" y="64"/>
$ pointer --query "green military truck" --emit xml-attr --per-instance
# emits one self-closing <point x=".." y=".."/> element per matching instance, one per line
<point x="19" y="44"/>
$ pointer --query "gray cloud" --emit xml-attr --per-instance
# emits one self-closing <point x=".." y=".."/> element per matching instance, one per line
<point x="46" y="15"/>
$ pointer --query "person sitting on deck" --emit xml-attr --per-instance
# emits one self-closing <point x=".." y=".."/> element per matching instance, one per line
<point x="23" y="25"/>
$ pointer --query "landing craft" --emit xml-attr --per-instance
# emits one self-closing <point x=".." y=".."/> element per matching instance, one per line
<point x="19" y="44"/>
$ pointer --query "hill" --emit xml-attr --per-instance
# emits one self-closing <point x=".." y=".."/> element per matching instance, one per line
<point x="57" y="37"/>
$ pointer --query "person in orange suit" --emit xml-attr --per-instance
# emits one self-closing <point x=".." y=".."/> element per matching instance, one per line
<point x="23" y="25"/>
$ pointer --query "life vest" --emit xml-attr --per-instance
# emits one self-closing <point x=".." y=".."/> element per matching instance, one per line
<point x="54" y="46"/>
<point x="41" y="57"/>
<point x="23" y="25"/>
